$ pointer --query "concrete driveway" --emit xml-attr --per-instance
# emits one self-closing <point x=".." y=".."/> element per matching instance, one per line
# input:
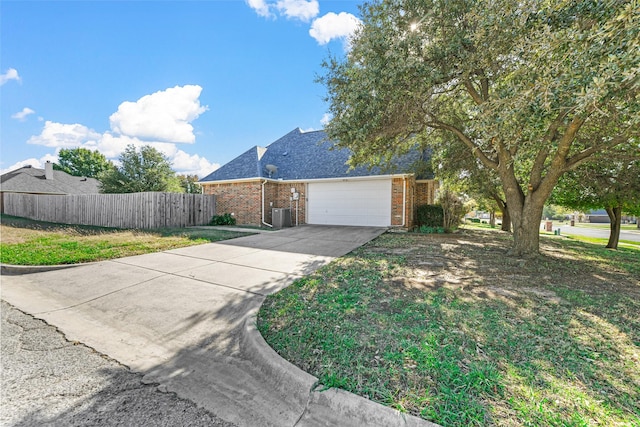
<point x="185" y="319"/>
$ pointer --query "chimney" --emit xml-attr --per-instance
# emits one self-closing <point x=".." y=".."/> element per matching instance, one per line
<point x="48" y="170"/>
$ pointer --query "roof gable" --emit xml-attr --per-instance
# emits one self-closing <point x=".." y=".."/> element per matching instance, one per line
<point x="300" y="156"/>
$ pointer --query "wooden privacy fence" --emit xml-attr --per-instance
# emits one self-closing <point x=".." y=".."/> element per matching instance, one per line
<point x="132" y="210"/>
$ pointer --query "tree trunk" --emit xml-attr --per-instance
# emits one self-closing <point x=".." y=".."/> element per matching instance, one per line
<point x="506" y="219"/>
<point x="615" y="217"/>
<point x="525" y="212"/>
<point x="526" y="231"/>
<point x="492" y="218"/>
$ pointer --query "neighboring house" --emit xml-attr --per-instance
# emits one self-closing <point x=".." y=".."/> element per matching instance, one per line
<point x="32" y="180"/>
<point x="302" y="171"/>
<point x="598" y="216"/>
<point x="601" y="216"/>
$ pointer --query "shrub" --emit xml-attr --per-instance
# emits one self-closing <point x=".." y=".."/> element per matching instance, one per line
<point x="226" y="219"/>
<point x="425" y="229"/>
<point x="453" y="208"/>
<point x="430" y="216"/>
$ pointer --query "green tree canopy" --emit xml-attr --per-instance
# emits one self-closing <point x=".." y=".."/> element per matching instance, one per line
<point x="189" y="184"/>
<point x="531" y="88"/>
<point x="144" y="170"/>
<point x="463" y="172"/>
<point x="610" y="181"/>
<point x="82" y="162"/>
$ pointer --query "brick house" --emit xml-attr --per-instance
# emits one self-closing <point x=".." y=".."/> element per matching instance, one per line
<point x="302" y="172"/>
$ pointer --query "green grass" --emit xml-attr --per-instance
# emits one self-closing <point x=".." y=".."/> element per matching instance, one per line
<point x="446" y="328"/>
<point x="26" y="242"/>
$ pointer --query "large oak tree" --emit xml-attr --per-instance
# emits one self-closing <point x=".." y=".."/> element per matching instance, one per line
<point x="531" y="88"/>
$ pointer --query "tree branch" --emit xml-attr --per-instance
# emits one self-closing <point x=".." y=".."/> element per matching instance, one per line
<point x="473" y="92"/>
<point x="541" y="158"/>
<point x="476" y="151"/>
<point x="579" y="158"/>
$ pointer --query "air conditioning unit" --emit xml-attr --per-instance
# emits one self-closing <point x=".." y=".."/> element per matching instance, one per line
<point x="281" y="217"/>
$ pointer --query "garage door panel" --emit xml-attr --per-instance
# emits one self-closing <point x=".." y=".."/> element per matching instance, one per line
<point x="350" y="203"/>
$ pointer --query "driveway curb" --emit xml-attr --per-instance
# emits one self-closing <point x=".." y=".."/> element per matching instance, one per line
<point x="17" y="270"/>
<point x="327" y="407"/>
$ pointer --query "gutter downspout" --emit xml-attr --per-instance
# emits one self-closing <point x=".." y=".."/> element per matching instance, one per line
<point x="404" y="201"/>
<point x="263" y="222"/>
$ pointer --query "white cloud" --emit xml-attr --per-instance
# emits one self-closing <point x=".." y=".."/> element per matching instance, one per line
<point x="22" y="115"/>
<point x="113" y="145"/>
<point x="261" y="7"/>
<point x="304" y="10"/>
<point x="187" y="164"/>
<point x="60" y="135"/>
<point x="161" y="120"/>
<point x="11" y="74"/>
<point x="162" y="116"/>
<point x="332" y="26"/>
<point x="326" y="118"/>
<point x="299" y="9"/>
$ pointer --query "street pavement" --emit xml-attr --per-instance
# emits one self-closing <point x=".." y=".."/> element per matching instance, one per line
<point x="185" y="320"/>
<point x="48" y="380"/>
<point x="603" y="233"/>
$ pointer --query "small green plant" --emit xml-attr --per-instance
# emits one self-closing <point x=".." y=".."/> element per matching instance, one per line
<point x="225" y="219"/>
<point x="425" y="229"/>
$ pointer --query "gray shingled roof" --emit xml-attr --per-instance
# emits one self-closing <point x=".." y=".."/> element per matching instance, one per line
<point x="32" y="180"/>
<point x="301" y="156"/>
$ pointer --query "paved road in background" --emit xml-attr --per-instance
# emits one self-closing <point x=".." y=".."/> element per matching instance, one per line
<point x="47" y="380"/>
<point x="603" y="233"/>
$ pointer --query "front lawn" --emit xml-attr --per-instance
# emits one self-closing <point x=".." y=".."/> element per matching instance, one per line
<point x="27" y="242"/>
<point x="446" y="327"/>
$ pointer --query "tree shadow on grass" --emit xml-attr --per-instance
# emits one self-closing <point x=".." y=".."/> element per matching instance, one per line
<point x="448" y="328"/>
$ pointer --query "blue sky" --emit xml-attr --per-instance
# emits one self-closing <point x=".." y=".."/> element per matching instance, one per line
<point x="202" y="81"/>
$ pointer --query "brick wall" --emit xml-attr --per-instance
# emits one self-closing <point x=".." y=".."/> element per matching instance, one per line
<point x="243" y="200"/>
<point x="426" y="192"/>
<point x="279" y="193"/>
<point x="397" y="195"/>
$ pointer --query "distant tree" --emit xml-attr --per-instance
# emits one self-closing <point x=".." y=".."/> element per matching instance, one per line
<point x="609" y="181"/>
<point x="189" y="184"/>
<point x="458" y="167"/>
<point x="82" y="162"/>
<point x="144" y="170"/>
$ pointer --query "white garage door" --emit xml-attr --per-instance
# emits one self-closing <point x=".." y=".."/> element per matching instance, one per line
<point x="350" y="203"/>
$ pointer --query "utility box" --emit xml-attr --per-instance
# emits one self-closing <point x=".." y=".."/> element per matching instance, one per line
<point x="548" y="226"/>
<point x="281" y="217"/>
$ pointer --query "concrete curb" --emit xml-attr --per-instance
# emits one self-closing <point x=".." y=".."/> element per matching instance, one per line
<point x="330" y="407"/>
<point x="17" y="270"/>
<point x="232" y="228"/>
